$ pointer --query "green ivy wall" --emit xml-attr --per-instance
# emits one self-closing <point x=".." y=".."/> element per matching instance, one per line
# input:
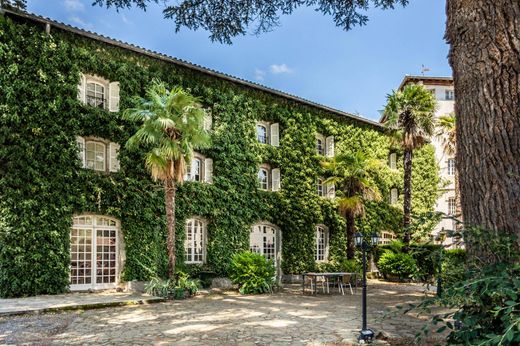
<point x="42" y="185"/>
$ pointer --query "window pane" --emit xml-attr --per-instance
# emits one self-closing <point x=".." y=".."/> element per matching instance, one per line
<point x="261" y="133"/>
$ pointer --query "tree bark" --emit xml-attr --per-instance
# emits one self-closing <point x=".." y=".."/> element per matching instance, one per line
<point x="407" y="192"/>
<point x="458" y="208"/>
<point x="169" y="195"/>
<point x="350" y="230"/>
<point x="485" y="57"/>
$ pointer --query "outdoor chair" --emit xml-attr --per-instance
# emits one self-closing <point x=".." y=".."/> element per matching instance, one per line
<point x="319" y="280"/>
<point x="346" y="281"/>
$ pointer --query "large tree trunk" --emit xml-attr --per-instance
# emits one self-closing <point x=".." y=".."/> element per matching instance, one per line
<point x="407" y="203"/>
<point x="169" y="195"/>
<point x="485" y="56"/>
<point x="350" y="230"/>
<point x="458" y="208"/>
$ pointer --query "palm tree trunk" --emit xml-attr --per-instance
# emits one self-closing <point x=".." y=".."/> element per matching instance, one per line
<point x="484" y="54"/>
<point x="350" y="230"/>
<point x="407" y="192"/>
<point x="169" y="195"/>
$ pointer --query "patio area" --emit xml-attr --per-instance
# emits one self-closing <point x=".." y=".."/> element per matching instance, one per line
<point x="285" y="318"/>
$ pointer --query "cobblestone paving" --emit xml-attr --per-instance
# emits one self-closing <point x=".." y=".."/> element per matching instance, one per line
<point x="286" y="318"/>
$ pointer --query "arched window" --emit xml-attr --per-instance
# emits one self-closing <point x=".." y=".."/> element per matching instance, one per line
<point x="263" y="179"/>
<point x="263" y="240"/>
<point x="320" y="145"/>
<point x="195" y="243"/>
<point x="261" y="133"/>
<point x="200" y="169"/>
<point x="95" y="155"/>
<point x="322" y="243"/>
<point x="194" y="170"/>
<point x="96" y="94"/>
<point x="94" y="246"/>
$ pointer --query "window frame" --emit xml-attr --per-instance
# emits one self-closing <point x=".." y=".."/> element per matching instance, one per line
<point x="320" y="183"/>
<point x="261" y="183"/>
<point x="265" y="126"/>
<point x="451" y="166"/>
<point x="190" y="244"/>
<point x="321" y="138"/>
<point x="96" y="143"/>
<point x="104" y="100"/>
<point x="452" y="206"/>
<point x="323" y="255"/>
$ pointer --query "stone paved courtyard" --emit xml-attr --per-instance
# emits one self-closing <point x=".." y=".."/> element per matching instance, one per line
<point x="286" y="318"/>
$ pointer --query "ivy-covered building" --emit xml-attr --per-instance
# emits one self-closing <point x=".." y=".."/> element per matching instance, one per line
<point x="79" y="211"/>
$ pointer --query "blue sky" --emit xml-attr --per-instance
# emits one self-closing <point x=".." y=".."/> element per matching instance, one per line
<point x="306" y="56"/>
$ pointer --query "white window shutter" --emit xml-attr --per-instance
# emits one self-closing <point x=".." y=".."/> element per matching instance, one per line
<point x="393" y="160"/>
<point x="329" y="144"/>
<point x="81" y="152"/>
<point x="114" y="161"/>
<point x="331" y="190"/>
<point x="208" y="170"/>
<point x="113" y="97"/>
<point x="275" y="134"/>
<point x="208" y="121"/>
<point x="275" y="174"/>
<point x="82" y="89"/>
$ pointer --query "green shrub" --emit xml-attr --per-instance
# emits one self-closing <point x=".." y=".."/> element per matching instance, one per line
<point x="426" y="257"/>
<point x="176" y="289"/>
<point x="401" y="265"/>
<point x="344" y="265"/>
<point x="252" y="272"/>
<point x="453" y="266"/>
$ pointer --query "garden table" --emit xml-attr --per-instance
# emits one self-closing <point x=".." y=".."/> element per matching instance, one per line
<point x="326" y="276"/>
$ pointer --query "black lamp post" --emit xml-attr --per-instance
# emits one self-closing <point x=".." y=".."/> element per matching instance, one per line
<point x="366" y="335"/>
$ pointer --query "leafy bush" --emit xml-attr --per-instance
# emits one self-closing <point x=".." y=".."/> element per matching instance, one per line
<point x="401" y="265"/>
<point x="345" y="265"/>
<point x="252" y="272"/>
<point x="177" y="289"/>
<point x="453" y="266"/>
<point x="484" y="307"/>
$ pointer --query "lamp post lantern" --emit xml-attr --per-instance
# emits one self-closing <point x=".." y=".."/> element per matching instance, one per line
<point x="366" y="335"/>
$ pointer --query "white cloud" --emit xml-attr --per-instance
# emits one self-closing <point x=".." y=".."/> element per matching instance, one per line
<point x="74" y="5"/>
<point x="279" y="69"/>
<point x="80" y="22"/>
<point x="259" y="74"/>
<point x="125" y="19"/>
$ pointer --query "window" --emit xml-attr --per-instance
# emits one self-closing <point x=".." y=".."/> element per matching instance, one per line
<point x="98" y="154"/>
<point x="269" y="179"/>
<point x="319" y="187"/>
<point x="194" y="245"/>
<point x="322" y="243"/>
<point x="268" y="133"/>
<point x="200" y="169"/>
<point x="95" y="155"/>
<point x="263" y="240"/>
<point x="263" y="179"/>
<point x="324" y="146"/>
<point x="98" y="92"/>
<point x="96" y="95"/>
<point x="451" y="206"/>
<point x="451" y="166"/>
<point x="392" y="161"/>
<point x="449" y="95"/>
<point x="394" y="195"/>
<point x="261" y="134"/>
<point x="94" y="246"/>
<point x="320" y="145"/>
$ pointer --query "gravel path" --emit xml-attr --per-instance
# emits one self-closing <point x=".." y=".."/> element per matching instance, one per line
<point x="286" y="318"/>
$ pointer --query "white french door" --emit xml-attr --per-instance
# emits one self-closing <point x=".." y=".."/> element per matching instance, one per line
<point x="94" y="249"/>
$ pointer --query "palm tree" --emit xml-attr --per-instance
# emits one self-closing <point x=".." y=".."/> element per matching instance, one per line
<point x="171" y="128"/>
<point x="351" y="174"/>
<point x="447" y="128"/>
<point x="410" y="113"/>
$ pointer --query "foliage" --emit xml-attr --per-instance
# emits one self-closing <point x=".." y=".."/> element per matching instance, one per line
<point x="345" y="266"/>
<point x="40" y="117"/>
<point x="252" y="272"/>
<point x="398" y="264"/>
<point x="484" y="307"/>
<point x="453" y="266"/>
<point x="176" y="288"/>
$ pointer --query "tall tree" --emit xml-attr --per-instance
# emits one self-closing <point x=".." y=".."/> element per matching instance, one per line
<point x="484" y="39"/>
<point x="410" y="113"/>
<point x="171" y="127"/>
<point x="351" y="174"/>
<point x="446" y="125"/>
